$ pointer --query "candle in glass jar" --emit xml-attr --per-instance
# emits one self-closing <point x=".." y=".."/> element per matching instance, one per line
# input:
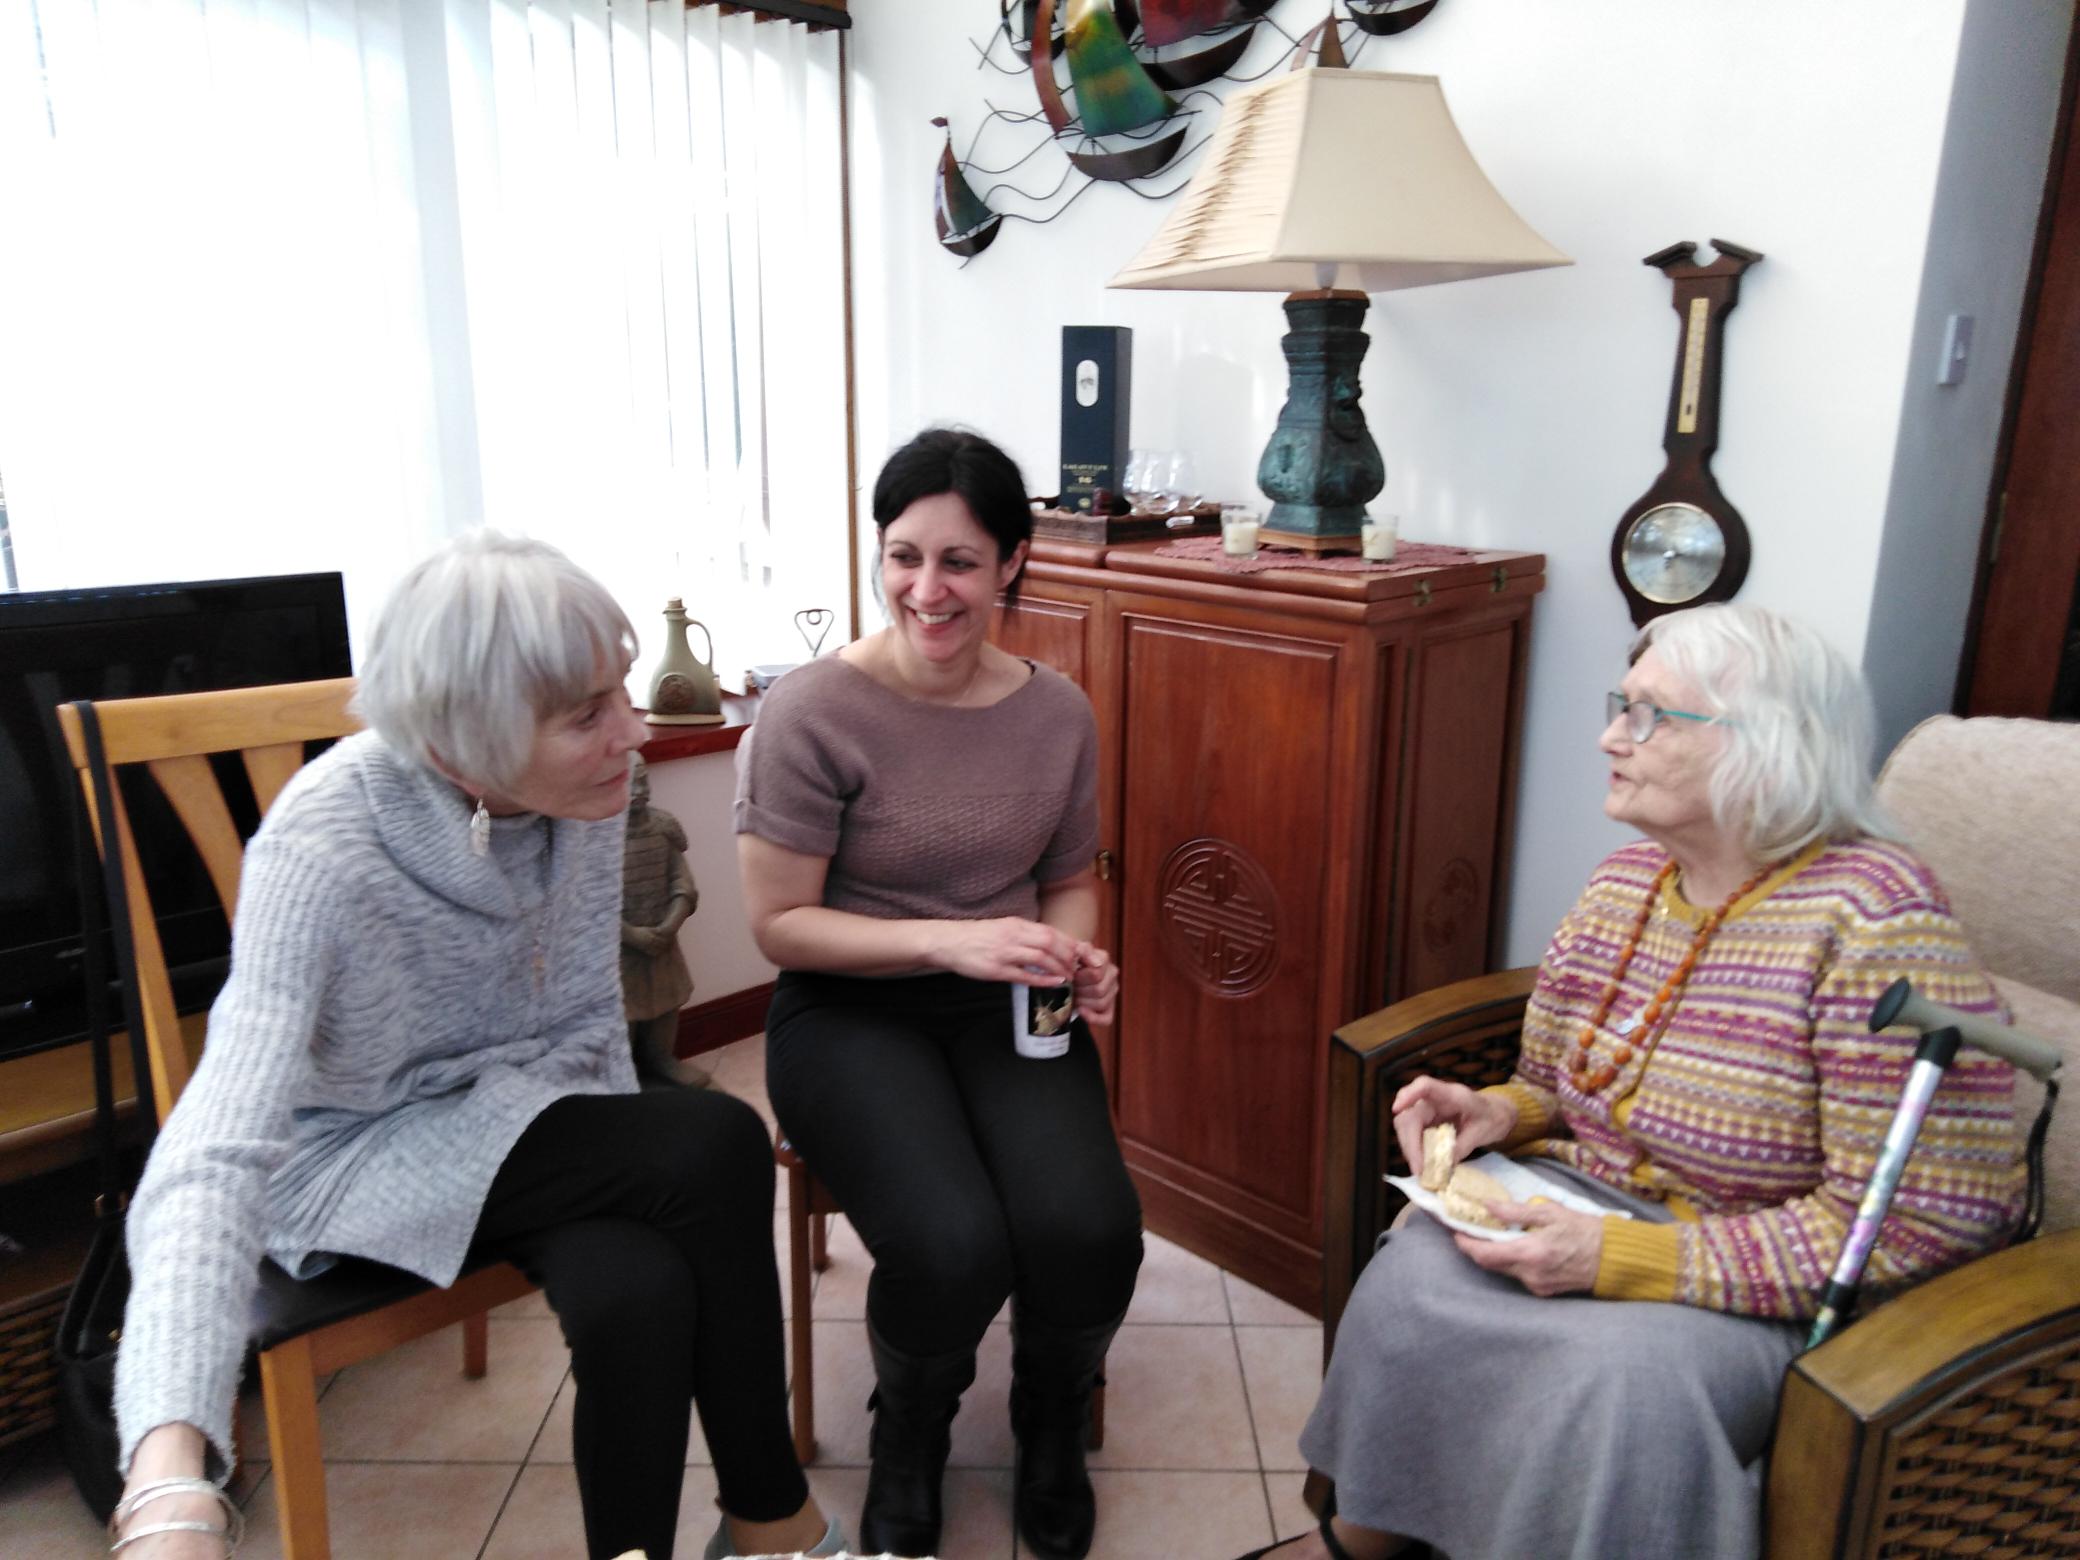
<point x="1238" y="531"/>
<point x="1377" y="538"/>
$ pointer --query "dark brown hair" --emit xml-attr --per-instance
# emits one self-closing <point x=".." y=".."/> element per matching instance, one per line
<point x="953" y="460"/>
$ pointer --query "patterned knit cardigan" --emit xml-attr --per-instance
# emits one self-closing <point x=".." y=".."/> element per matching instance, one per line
<point x="1758" y="1115"/>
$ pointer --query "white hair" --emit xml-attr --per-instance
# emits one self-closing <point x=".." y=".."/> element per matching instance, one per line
<point x="478" y="644"/>
<point x="1800" y="726"/>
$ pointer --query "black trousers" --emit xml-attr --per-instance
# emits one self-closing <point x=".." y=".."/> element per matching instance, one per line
<point x="970" y="1172"/>
<point x="647" y="1219"/>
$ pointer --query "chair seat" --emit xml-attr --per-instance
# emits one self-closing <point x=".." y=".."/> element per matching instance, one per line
<point x="286" y="1307"/>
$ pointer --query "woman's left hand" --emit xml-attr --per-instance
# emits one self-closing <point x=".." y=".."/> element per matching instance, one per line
<point x="1097" y="984"/>
<point x="1559" y="1256"/>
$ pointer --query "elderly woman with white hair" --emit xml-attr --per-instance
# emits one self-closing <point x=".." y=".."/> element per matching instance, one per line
<point x="1696" y="1065"/>
<point x="420" y="1054"/>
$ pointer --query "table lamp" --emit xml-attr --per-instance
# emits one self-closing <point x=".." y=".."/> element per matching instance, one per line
<point x="1327" y="184"/>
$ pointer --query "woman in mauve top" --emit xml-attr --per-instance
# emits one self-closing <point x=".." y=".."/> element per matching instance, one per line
<point x="917" y="817"/>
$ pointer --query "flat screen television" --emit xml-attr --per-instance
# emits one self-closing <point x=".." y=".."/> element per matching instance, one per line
<point x="120" y="642"/>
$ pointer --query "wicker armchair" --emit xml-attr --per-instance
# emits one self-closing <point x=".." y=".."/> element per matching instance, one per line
<point x="1947" y="1421"/>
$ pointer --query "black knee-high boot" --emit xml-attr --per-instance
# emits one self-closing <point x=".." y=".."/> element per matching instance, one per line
<point x="1053" y="1372"/>
<point x="914" y="1403"/>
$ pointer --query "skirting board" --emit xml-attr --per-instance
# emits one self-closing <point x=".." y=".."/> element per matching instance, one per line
<point x="709" y="1026"/>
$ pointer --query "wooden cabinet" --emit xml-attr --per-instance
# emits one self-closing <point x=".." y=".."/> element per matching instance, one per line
<point x="1306" y="781"/>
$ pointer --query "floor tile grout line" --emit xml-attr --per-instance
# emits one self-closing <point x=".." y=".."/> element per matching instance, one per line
<point x="1249" y="1407"/>
<point x="499" y="1515"/>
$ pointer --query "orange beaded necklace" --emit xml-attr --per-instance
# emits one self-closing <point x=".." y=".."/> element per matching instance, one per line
<point x="1591" y="1080"/>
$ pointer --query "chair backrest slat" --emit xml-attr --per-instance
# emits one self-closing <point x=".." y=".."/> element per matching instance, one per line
<point x="270" y="768"/>
<point x="135" y="731"/>
<point x="173" y="737"/>
<point x="191" y="785"/>
<point x="170" y="1061"/>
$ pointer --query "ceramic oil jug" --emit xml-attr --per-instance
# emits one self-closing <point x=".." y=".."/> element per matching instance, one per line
<point x="683" y="690"/>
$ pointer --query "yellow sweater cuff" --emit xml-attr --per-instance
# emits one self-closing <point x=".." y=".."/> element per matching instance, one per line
<point x="1638" y="1262"/>
<point x="1535" y="1114"/>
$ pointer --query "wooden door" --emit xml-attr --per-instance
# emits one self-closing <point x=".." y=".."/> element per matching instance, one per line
<point x="1229" y="841"/>
<point x="2024" y="657"/>
<point x="1452" y="817"/>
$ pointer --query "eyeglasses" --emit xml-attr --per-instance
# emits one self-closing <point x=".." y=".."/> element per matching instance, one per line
<point x="1641" y="716"/>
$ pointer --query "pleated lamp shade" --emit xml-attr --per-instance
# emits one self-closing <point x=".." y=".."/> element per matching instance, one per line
<point x="1353" y="179"/>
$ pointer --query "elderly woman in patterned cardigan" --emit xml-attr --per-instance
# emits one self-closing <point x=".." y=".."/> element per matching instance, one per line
<point x="420" y="1052"/>
<point x="1696" y="1063"/>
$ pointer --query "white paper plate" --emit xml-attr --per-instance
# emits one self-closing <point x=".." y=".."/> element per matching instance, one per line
<point x="1523" y="1182"/>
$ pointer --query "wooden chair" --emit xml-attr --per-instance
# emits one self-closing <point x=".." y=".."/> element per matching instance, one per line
<point x="809" y="1208"/>
<point x="1947" y="1420"/>
<point x="303" y="1329"/>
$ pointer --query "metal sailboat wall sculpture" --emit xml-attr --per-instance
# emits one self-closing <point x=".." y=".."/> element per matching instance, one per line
<point x="964" y="221"/>
<point x="1120" y="86"/>
<point x="1164" y="22"/>
<point x="1114" y="95"/>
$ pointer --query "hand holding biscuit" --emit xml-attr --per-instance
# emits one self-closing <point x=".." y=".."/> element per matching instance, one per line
<point x="1478" y="1120"/>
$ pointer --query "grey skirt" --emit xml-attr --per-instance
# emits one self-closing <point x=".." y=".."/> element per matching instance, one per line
<point x="1463" y="1410"/>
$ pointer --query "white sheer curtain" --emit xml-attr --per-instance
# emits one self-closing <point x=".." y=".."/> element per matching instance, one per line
<point x="650" y="211"/>
<point x="216" y="354"/>
<point x="312" y="283"/>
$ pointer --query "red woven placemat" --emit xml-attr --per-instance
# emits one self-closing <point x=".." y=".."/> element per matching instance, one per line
<point x="1407" y="556"/>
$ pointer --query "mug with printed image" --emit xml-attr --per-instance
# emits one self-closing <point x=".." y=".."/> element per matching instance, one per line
<point x="1040" y="1019"/>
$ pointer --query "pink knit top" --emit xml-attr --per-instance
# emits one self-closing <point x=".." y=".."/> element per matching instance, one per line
<point x="923" y="810"/>
<point x="1758" y="1115"/>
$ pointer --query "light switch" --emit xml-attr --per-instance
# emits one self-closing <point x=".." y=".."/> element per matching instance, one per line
<point x="1957" y="349"/>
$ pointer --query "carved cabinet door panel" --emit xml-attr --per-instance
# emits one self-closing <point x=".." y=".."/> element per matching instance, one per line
<point x="1226" y="826"/>
<point x="1305" y="788"/>
<point x="1054" y="624"/>
<point x="1066" y="626"/>
<point x="1457" y="786"/>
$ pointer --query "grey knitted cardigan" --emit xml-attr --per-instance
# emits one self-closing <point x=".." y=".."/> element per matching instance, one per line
<point x="397" y="1013"/>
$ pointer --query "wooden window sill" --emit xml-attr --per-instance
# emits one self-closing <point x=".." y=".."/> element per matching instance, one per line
<point x="668" y="742"/>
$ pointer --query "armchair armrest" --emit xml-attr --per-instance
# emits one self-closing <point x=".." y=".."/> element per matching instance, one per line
<point x="1948" y="1414"/>
<point x="1467" y="1032"/>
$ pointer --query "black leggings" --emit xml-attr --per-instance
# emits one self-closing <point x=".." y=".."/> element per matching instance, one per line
<point x="970" y="1172"/>
<point x="648" y="1221"/>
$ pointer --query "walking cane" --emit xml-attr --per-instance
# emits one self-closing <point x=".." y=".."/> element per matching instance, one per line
<point x="1943" y="1029"/>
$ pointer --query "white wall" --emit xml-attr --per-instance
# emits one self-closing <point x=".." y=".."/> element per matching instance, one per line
<point x="1527" y="411"/>
<point x="716" y="937"/>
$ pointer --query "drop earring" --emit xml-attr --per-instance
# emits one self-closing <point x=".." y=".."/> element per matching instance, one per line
<point x="480" y="830"/>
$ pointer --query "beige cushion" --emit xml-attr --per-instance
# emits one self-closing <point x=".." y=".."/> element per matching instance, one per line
<point x="1994" y="807"/>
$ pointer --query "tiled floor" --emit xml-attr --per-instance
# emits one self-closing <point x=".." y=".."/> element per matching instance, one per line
<point x="1211" y="1379"/>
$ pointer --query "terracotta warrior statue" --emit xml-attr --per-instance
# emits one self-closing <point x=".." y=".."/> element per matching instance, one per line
<point x="657" y="895"/>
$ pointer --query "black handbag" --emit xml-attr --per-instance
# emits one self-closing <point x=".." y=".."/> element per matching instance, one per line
<point x="91" y="1328"/>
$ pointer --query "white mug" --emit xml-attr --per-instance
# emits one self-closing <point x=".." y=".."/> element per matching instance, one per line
<point x="1040" y="1019"/>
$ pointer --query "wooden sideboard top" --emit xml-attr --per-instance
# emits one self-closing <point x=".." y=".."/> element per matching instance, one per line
<point x="669" y="742"/>
<point x="1369" y="594"/>
<point x="1481" y="568"/>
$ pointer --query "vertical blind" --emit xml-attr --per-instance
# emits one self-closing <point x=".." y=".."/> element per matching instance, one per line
<point x="316" y="283"/>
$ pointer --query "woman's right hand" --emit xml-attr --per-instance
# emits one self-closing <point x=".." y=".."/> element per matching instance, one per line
<point x="1480" y="1118"/>
<point x="1009" y="948"/>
